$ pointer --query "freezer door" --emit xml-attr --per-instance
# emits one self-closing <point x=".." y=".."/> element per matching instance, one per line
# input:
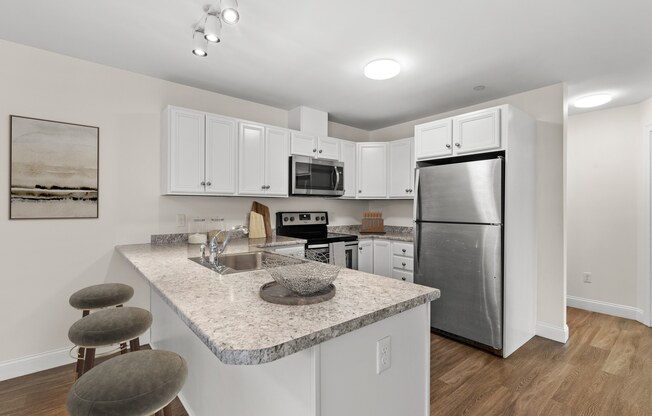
<point x="461" y="192"/>
<point x="464" y="261"/>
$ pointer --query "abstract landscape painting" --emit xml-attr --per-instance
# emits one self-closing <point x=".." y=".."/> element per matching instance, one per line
<point x="54" y="169"/>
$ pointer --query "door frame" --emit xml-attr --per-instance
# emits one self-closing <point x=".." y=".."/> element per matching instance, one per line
<point x="646" y="316"/>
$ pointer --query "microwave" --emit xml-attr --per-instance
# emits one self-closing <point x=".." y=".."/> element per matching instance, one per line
<point x="316" y="177"/>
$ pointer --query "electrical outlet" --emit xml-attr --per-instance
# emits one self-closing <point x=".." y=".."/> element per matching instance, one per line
<point x="587" y="277"/>
<point x="383" y="354"/>
<point x="181" y="220"/>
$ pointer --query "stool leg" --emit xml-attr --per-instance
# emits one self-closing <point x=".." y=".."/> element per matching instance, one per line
<point x="123" y="346"/>
<point x="89" y="359"/>
<point x="134" y="344"/>
<point x="80" y="352"/>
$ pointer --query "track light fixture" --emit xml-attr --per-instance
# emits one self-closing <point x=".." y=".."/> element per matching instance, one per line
<point x="209" y="28"/>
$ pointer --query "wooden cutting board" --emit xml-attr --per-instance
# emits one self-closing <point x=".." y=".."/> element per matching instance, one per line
<point x="256" y="225"/>
<point x="261" y="209"/>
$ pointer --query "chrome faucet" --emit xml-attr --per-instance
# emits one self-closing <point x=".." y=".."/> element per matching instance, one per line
<point x="217" y="249"/>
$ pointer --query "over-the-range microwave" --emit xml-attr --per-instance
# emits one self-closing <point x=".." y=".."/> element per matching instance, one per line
<point x="316" y="177"/>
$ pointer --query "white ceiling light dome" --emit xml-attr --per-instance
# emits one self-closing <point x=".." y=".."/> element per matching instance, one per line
<point x="230" y="12"/>
<point x="381" y="69"/>
<point x="593" y="100"/>
<point x="213" y="28"/>
<point x="200" y="44"/>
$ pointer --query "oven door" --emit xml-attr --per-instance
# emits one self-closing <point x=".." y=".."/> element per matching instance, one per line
<point x="316" y="177"/>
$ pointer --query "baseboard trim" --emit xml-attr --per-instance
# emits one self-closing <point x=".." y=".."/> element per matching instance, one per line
<point x="34" y="363"/>
<point x="607" y="308"/>
<point x="553" y="332"/>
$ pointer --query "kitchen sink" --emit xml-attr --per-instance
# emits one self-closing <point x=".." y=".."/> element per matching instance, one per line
<point x="237" y="263"/>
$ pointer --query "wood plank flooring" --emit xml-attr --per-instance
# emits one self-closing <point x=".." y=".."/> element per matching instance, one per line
<point x="604" y="369"/>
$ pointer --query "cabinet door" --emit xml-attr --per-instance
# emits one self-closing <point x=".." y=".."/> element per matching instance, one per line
<point x="366" y="256"/>
<point x="372" y="170"/>
<point x="477" y="131"/>
<point x="383" y="258"/>
<point x="401" y="169"/>
<point x="186" y="151"/>
<point x="348" y="150"/>
<point x="251" y="169"/>
<point x="433" y="139"/>
<point x="276" y="161"/>
<point x="221" y="155"/>
<point x="303" y="144"/>
<point x="328" y="148"/>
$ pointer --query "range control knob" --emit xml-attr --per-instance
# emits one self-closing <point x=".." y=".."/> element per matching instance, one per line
<point x="285" y="218"/>
<point x="323" y="218"/>
<point x="291" y="218"/>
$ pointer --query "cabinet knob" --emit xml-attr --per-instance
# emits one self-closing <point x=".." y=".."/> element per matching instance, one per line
<point x="403" y="264"/>
<point x="407" y="190"/>
<point x="262" y="187"/>
<point x="448" y="146"/>
<point x="411" y="190"/>
<point x="458" y="145"/>
<point x="320" y="150"/>
<point x="403" y="278"/>
<point x="208" y="183"/>
<point x="314" y="150"/>
<point x="267" y="186"/>
<point x="403" y="250"/>
<point x="359" y="191"/>
<point x="360" y="248"/>
<point x="202" y="183"/>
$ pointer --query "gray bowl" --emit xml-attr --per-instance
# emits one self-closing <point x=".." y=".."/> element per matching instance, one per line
<point x="304" y="277"/>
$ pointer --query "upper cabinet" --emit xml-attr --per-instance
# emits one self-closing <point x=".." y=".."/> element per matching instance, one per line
<point x="348" y="157"/>
<point x="372" y="170"/>
<point x="401" y="169"/>
<point x="263" y="161"/>
<point x="312" y="145"/>
<point x="469" y="133"/>
<point x="198" y="153"/>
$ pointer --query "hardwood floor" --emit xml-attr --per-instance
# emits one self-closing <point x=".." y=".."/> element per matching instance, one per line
<point x="604" y="369"/>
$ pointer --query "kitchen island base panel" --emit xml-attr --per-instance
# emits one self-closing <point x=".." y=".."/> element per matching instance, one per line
<point x="336" y="377"/>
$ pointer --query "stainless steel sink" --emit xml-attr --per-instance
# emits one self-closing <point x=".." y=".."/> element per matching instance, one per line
<point x="237" y="263"/>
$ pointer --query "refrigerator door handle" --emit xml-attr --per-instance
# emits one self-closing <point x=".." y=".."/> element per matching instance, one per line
<point x="416" y="198"/>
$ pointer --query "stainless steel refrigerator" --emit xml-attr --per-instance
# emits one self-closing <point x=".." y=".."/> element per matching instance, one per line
<point x="459" y="248"/>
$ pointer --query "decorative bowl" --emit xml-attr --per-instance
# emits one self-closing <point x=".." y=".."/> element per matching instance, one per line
<point x="303" y="276"/>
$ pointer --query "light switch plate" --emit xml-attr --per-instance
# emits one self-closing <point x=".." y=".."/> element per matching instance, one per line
<point x="383" y="354"/>
<point x="181" y="220"/>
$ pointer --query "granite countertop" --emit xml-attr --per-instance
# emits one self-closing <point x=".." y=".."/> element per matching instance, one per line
<point x="228" y="315"/>
<point x="392" y="232"/>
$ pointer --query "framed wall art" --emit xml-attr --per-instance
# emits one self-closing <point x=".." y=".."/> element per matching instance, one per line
<point x="54" y="169"/>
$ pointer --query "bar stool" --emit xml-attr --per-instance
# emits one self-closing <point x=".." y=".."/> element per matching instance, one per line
<point x="108" y="327"/>
<point x="100" y="296"/>
<point x="136" y="384"/>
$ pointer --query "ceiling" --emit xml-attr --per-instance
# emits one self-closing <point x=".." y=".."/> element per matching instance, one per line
<point x="287" y="53"/>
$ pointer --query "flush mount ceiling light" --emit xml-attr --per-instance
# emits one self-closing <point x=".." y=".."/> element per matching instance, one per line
<point x="594" y="100"/>
<point x="200" y="45"/>
<point x="209" y="28"/>
<point x="381" y="69"/>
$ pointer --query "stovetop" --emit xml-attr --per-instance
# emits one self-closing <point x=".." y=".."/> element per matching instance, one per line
<point x="310" y="226"/>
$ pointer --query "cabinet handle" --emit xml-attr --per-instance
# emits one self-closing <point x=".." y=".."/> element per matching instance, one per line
<point x="208" y="183"/>
<point x="448" y="146"/>
<point x="407" y="190"/>
<point x="320" y="150"/>
<point x="458" y="145"/>
<point x="403" y="250"/>
<point x="267" y="187"/>
<point x="403" y="264"/>
<point x="314" y="150"/>
<point x="404" y="279"/>
<point x="359" y="191"/>
<point x="360" y="248"/>
<point x="262" y="187"/>
<point x="202" y="183"/>
<point x="411" y="190"/>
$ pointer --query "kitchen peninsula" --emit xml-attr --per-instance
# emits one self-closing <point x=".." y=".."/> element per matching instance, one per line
<point x="250" y="357"/>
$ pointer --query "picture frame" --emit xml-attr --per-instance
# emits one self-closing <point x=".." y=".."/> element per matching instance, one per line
<point x="54" y="169"/>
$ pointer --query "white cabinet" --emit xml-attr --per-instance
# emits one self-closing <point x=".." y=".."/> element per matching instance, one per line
<point x="311" y="145"/>
<point x="198" y="153"/>
<point x="383" y="257"/>
<point x="366" y="256"/>
<point x="263" y="165"/>
<point x="372" y="170"/>
<point x="401" y="169"/>
<point x="403" y="261"/>
<point x="474" y="132"/>
<point x="434" y="139"/>
<point x="348" y="157"/>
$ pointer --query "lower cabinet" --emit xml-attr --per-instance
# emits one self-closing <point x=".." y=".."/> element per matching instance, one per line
<point x="387" y="258"/>
<point x="366" y="256"/>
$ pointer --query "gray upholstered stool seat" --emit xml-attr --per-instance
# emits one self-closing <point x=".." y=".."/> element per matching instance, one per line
<point x="101" y="296"/>
<point x="110" y="326"/>
<point x="134" y="384"/>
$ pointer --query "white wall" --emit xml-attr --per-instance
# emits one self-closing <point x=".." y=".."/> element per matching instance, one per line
<point x="43" y="261"/>
<point x="546" y="105"/>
